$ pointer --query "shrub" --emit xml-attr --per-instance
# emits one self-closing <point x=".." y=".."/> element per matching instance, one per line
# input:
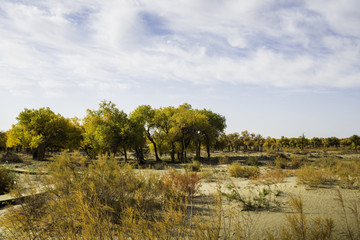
<point x="297" y="162"/>
<point x="271" y="176"/>
<point x="194" y="166"/>
<point x="178" y="184"/>
<point x="349" y="173"/>
<point x="7" y="180"/>
<point x="93" y="202"/>
<point x="314" y="177"/>
<point x="224" y="160"/>
<point x="252" y="161"/>
<point x="281" y="162"/>
<point x="237" y="170"/>
<point x="255" y="199"/>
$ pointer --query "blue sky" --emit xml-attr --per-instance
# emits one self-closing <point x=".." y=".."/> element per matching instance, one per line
<point x="278" y="68"/>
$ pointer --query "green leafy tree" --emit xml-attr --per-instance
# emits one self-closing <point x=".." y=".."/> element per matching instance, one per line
<point x="302" y="142"/>
<point x="211" y="130"/>
<point x="316" y="142"/>
<point x="234" y="141"/>
<point x="187" y="127"/>
<point x="145" y="116"/>
<point x="104" y="129"/>
<point x="166" y="132"/>
<point x="41" y="129"/>
<point x="284" y="142"/>
<point x="355" y="141"/>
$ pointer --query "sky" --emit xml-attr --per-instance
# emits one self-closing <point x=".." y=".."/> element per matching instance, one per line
<point x="277" y="68"/>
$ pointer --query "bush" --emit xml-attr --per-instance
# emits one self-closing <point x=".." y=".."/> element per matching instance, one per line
<point x="297" y="162"/>
<point x="263" y="198"/>
<point x="314" y="177"/>
<point x="271" y="176"/>
<point x="98" y="201"/>
<point x="7" y="180"/>
<point x="194" y="166"/>
<point x="237" y="170"/>
<point x="178" y="184"/>
<point x="252" y="161"/>
<point x="280" y="162"/>
<point x="224" y="160"/>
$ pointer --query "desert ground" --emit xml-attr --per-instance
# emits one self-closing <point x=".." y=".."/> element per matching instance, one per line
<point x="322" y="200"/>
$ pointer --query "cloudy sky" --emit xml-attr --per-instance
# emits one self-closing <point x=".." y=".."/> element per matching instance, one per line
<point x="278" y="68"/>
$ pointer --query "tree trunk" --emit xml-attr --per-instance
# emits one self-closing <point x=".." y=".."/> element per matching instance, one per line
<point x="182" y="149"/>
<point x="208" y="150"/>
<point x="154" y="144"/>
<point x="39" y="153"/>
<point x="172" y="153"/>
<point x="198" y="150"/>
<point x="140" y="155"/>
<point x="125" y="154"/>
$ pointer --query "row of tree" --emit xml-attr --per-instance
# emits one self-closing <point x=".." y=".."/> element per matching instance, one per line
<point x="109" y="130"/>
<point x="166" y="130"/>
<point x="255" y="142"/>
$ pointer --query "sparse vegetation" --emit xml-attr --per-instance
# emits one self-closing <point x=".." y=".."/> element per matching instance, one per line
<point x="298" y="227"/>
<point x="271" y="176"/>
<point x="238" y="170"/>
<point x="252" y="161"/>
<point x="7" y="180"/>
<point x="254" y="198"/>
<point x="313" y="177"/>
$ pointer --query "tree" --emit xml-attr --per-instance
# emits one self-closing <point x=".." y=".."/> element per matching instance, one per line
<point x="211" y="131"/>
<point x="145" y="116"/>
<point x="135" y="139"/>
<point x="234" y="142"/>
<point x="302" y="142"/>
<point x="316" y="142"/>
<point x="187" y="126"/>
<point x="355" y="141"/>
<point x="40" y="129"/>
<point x="284" y="142"/>
<point x="3" y="139"/>
<point x="165" y="125"/>
<point x="104" y="129"/>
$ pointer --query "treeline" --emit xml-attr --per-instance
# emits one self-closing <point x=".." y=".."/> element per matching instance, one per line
<point x="255" y="142"/>
<point x="109" y="130"/>
<point x="166" y="130"/>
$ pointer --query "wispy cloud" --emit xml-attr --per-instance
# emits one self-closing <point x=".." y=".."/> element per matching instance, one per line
<point x="117" y="44"/>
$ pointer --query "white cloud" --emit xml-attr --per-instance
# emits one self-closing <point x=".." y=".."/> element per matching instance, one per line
<point x="116" y="44"/>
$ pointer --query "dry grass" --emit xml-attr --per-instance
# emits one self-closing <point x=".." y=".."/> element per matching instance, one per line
<point x="313" y="177"/>
<point x="271" y="176"/>
<point x="298" y="227"/>
<point x="237" y="170"/>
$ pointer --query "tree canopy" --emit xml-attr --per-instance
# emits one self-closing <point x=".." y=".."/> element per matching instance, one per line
<point x="39" y="129"/>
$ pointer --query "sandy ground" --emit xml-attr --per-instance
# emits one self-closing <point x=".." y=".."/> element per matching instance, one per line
<point x="318" y="202"/>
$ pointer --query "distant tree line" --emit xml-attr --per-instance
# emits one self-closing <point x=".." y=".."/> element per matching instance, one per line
<point x="255" y="142"/>
<point x="166" y="130"/>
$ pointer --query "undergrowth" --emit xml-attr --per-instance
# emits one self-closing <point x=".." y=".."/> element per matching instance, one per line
<point x="237" y="170"/>
<point x="7" y="180"/>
